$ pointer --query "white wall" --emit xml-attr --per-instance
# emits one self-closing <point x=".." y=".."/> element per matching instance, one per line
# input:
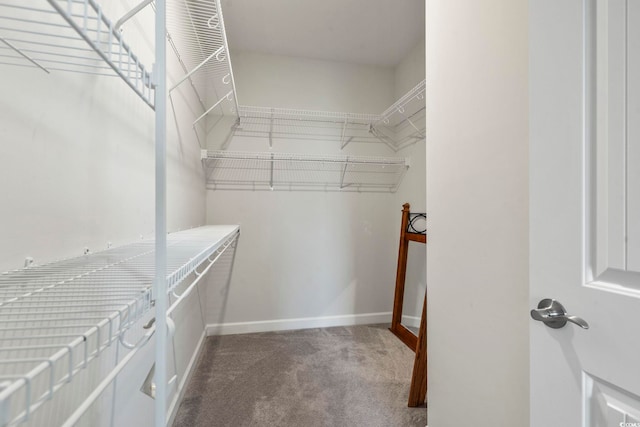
<point x="290" y="82"/>
<point x="77" y="170"/>
<point x="413" y="189"/>
<point x="308" y="254"/>
<point x="318" y="258"/>
<point x="477" y="186"/>
<point x="410" y="71"/>
<point x="77" y="162"/>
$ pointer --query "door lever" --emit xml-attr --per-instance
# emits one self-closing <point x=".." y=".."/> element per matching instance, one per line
<point x="553" y="314"/>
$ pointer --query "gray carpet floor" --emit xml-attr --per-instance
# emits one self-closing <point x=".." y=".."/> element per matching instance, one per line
<point x="341" y="377"/>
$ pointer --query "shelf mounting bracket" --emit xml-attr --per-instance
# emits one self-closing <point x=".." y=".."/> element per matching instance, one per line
<point x="383" y="138"/>
<point x="133" y="12"/>
<point x="344" y="171"/>
<point x="24" y="55"/>
<point x="212" y="107"/>
<point x="411" y="123"/>
<point x="342" y="143"/>
<point x="197" y="67"/>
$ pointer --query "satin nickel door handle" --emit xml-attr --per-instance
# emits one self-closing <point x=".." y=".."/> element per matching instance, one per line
<point x="553" y="314"/>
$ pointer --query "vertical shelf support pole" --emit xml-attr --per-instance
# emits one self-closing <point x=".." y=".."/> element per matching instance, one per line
<point x="160" y="75"/>
<point x="271" y="176"/>
<point x="271" y="130"/>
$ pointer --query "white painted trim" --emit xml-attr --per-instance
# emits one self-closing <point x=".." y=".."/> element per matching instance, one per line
<point x="175" y="403"/>
<point x="300" y="323"/>
<point x="413" y="321"/>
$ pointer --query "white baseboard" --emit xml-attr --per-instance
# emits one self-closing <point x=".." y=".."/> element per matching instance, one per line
<point x="300" y="323"/>
<point x="413" y="321"/>
<point x="175" y="404"/>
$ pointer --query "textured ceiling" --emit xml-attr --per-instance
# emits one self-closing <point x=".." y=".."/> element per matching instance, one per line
<point x="376" y="32"/>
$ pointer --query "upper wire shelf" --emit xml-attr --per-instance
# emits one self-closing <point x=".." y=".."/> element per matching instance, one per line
<point x="284" y="123"/>
<point x="69" y="35"/>
<point x="399" y="125"/>
<point x="306" y="115"/>
<point x="228" y="170"/>
<point x="404" y="122"/>
<point x="405" y="106"/>
<point x="56" y="318"/>
<point x="196" y="33"/>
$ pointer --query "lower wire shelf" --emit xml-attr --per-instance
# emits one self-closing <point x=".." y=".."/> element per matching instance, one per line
<point x="244" y="170"/>
<point x="56" y="318"/>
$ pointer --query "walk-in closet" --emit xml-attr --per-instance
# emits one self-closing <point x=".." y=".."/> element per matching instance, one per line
<point x="202" y="207"/>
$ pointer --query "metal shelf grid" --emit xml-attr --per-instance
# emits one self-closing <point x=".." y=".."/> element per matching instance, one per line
<point x="196" y="33"/>
<point x="283" y="123"/>
<point x="286" y="171"/>
<point x="307" y="115"/>
<point x="400" y="106"/>
<point x="399" y="125"/>
<point x="404" y="122"/>
<point x="69" y="35"/>
<point x="56" y="318"/>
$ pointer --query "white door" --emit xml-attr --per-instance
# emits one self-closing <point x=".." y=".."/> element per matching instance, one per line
<point x="585" y="210"/>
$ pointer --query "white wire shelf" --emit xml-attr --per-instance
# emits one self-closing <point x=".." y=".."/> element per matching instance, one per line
<point x="197" y="35"/>
<point x="283" y="123"/>
<point x="227" y="170"/>
<point x="306" y="115"/>
<point x="404" y="122"/>
<point x="57" y="318"/>
<point x="398" y="126"/>
<point x="69" y="35"/>
<point x="407" y="106"/>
